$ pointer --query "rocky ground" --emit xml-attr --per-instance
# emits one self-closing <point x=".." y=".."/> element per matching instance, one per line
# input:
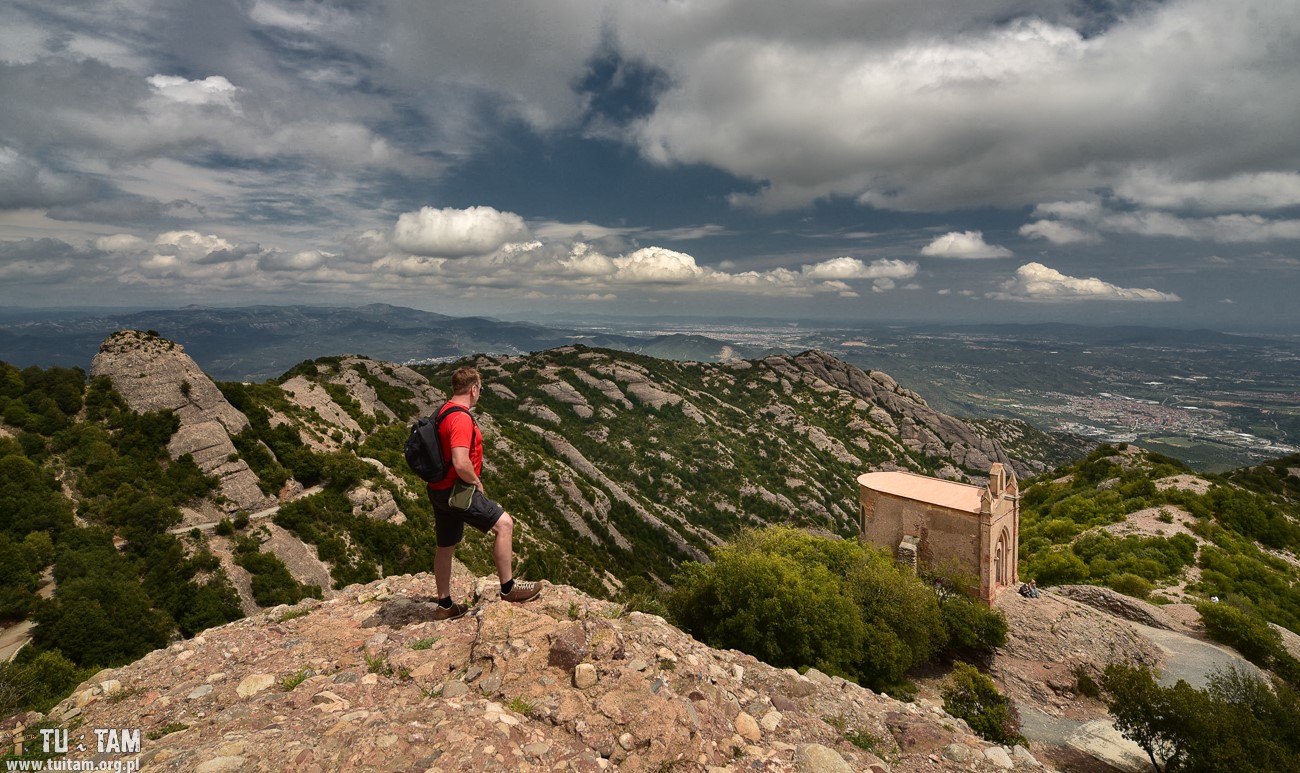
<point x="365" y="681"/>
<point x="1079" y="629"/>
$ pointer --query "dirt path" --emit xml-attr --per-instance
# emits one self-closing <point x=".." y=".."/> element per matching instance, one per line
<point x="267" y="513"/>
<point x="16" y="636"/>
<point x="1193" y="660"/>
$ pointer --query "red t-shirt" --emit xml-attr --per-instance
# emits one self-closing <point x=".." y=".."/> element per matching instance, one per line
<point x="458" y="431"/>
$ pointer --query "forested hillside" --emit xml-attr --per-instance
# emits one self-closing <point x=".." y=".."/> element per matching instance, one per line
<point x="1145" y="525"/>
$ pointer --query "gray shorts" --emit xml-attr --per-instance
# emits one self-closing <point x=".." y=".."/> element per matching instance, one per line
<point x="449" y="523"/>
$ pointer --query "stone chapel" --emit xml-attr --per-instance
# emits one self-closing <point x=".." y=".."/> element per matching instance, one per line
<point x="926" y="520"/>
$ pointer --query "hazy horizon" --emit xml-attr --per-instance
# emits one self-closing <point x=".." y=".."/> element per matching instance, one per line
<point x="579" y="316"/>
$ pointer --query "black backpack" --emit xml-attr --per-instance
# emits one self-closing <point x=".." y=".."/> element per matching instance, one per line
<point x="424" y="449"/>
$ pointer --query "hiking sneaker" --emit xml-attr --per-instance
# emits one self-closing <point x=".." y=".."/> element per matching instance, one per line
<point x="449" y="613"/>
<point x="523" y="591"/>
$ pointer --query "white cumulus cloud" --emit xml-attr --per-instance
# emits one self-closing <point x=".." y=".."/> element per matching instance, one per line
<point x="656" y="264"/>
<point x="1036" y="282"/>
<point x="1078" y="221"/>
<point x="964" y="244"/>
<point x="1057" y="232"/>
<point x="213" y="90"/>
<point x="1250" y="191"/>
<point x="119" y="243"/>
<point x="455" y="233"/>
<point x="855" y="268"/>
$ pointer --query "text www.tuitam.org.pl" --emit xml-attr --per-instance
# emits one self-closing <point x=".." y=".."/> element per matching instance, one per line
<point x="115" y="742"/>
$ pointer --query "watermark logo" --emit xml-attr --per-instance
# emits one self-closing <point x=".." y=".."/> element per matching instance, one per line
<point x="50" y="742"/>
<point x="108" y="740"/>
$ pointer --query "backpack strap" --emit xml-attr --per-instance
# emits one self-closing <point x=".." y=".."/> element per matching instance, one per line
<point x="441" y="414"/>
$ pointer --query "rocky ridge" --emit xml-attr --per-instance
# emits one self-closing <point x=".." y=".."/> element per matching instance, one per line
<point x="921" y="427"/>
<point x="154" y="374"/>
<point x="828" y="422"/>
<point x="366" y="681"/>
<point x="1057" y="634"/>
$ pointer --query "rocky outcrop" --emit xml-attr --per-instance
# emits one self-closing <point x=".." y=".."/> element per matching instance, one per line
<point x="542" y="412"/>
<point x="1118" y="605"/>
<point x="331" y="417"/>
<point x="377" y="503"/>
<point x="921" y="427"/>
<point x="154" y="374"/>
<point x="606" y="387"/>
<point x="299" y="558"/>
<point x="367" y="681"/>
<point x="1051" y="637"/>
<point x="574" y="458"/>
<point x="422" y="393"/>
<point x="564" y="392"/>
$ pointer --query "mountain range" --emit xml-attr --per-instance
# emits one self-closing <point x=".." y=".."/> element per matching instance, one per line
<point x="256" y="343"/>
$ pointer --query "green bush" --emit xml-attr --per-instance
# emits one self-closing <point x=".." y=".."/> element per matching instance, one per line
<point x="1242" y="629"/>
<point x="793" y="600"/>
<point x="17" y="580"/>
<point x="640" y="595"/>
<point x="972" y="696"/>
<point x="1084" y="684"/>
<point x="974" y="630"/>
<point x="30" y="498"/>
<point x="1130" y="585"/>
<point x="102" y="619"/>
<point x="272" y="584"/>
<point x="1057" y="567"/>
<point x="37" y="681"/>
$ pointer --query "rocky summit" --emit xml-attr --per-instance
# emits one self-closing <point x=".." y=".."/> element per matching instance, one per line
<point x="155" y="374"/>
<point x="367" y="681"/>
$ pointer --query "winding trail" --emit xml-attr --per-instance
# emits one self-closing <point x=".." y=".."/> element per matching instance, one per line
<point x="16" y="636"/>
<point x="267" y="513"/>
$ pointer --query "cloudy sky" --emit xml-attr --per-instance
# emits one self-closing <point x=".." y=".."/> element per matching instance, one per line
<point x="1072" y="160"/>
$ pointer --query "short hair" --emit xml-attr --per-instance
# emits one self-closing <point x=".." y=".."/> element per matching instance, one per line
<point x="463" y="379"/>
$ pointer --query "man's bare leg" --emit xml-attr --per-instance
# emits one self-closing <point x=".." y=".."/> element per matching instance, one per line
<point x="502" y="547"/>
<point x="442" y="570"/>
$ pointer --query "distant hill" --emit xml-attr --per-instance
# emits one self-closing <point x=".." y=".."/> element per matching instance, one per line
<point x="255" y="343"/>
<point x="1109" y="335"/>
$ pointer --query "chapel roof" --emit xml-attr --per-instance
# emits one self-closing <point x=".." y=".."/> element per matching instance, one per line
<point x="922" y="488"/>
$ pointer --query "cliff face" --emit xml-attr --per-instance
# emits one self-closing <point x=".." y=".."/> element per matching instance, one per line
<point x="154" y="374"/>
<point x="365" y="682"/>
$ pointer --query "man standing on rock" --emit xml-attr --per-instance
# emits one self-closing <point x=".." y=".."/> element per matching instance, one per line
<point x="459" y="499"/>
